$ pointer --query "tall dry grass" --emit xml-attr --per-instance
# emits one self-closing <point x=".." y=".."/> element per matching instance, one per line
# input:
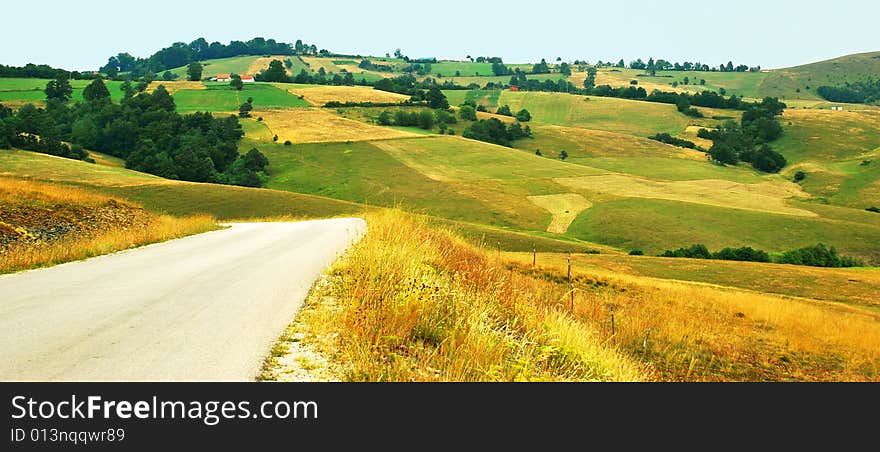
<point x="414" y="303"/>
<point x="110" y="238"/>
<point x="689" y="332"/>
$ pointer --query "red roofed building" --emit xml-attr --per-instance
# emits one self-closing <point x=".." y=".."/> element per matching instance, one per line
<point x="247" y="78"/>
<point x="514" y="88"/>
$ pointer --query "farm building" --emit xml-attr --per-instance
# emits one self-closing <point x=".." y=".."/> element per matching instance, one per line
<point x="514" y="88"/>
<point x="837" y="108"/>
<point x="228" y="78"/>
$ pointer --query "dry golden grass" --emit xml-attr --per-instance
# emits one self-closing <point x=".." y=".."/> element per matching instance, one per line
<point x="175" y="86"/>
<point x="761" y="197"/>
<point x="622" y="80"/>
<point x="107" y="160"/>
<point x="315" y="125"/>
<point x="262" y="63"/>
<point x="697" y="332"/>
<point x="320" y="95"/>
<point x="160" y="229"/>
<point x="411" y="303"/>
<point x="564" y="208"/>
<point x="690" y="134"/>
<point x="110" y="238"/>
<point x="22" y="189"/>
<point x="611" y="144"/>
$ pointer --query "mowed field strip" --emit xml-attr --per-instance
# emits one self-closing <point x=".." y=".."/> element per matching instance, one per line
<point x="762" y="197"/>
<point x="564" y="208"/>
<point x="315" y="125"/>
<point x="175" y="86"/>
<point x="321" y="95"/>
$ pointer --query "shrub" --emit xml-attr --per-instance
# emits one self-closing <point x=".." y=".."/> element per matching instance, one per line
<point x="467" y="113"/>
<point x="523" y="115"/>
<point x="287" y="142"/>
<point x="636" y="253"/>
<point x="799" y="176"/>
<point x="874" y="209"/>
<point x="669" y="139"/>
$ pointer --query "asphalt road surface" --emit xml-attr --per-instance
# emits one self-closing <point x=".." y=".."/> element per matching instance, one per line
<point x="202" y="308"/>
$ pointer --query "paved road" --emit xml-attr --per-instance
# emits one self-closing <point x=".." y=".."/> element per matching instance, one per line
<point x="202" y="308"/>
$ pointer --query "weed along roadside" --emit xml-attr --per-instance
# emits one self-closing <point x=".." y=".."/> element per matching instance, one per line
<point x="411" y="302"/>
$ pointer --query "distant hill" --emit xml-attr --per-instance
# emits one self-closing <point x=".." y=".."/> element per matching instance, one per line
<point x="800" y="82"/>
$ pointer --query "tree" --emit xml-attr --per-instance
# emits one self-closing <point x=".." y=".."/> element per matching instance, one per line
<point x="651" y="67"/>
<point x="504" y="110"/>
<point x="565" y="69"/>
<point x="96" y="91"/>
<point x="426" y="120"/>
<point x="244" y="111"/>
<point x="523" y="115"/>
<point x="275" y="73"/>
<point x="194" y="72"/>
<point x="59" y="89"/>
<point x="384" y="119"/>
<point x="436" y="99"/>
<point x="236" y="82"/>
<point x="468" y="113"/>
<point x="563" y="154"/>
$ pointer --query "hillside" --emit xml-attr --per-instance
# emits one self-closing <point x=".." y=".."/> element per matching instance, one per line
<point x="800" y="82"/>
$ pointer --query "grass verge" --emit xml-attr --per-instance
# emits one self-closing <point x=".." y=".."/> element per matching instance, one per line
<point x="44" y="224"/>
<point x="412" y="302"/>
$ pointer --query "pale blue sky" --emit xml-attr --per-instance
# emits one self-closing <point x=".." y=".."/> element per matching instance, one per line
<point x="82" y="34"/>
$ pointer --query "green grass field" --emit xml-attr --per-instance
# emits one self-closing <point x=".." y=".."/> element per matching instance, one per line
<point x="172" y="197"/>
<point x="831" y="148"/>
<point x="655" y="225"/>
<point x="210" y="68"/>
<point x="31" y="89"/>
<point x="219" y="97"/>
<point x="601" y="113"/>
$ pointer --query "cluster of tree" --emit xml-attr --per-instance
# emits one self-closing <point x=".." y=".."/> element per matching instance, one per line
<point x="319" y="78"/>
<point x="181" y="54"/>
<point x="865" y="92"/>
<point x="499" y="69"/>
<point x="145" y="130"/>
<point x="483" y="59"/>
<point x="819" y="255"/>
<point x="524" y="83"/>
<point x="418" y="68"/>
<point x="662" y="65"/>
<point x="16" y="131"/>
<point x="41" y="71"/>
<point x="521" y="116"/>
<point x="494" y="131"/>
<point x="590" y="80"/>
<point x="699" y="251"/>
<point x="669" y="139"/>
<point x="708" y="99"/>
<point x="423" y="119"/>
<point x="748" y="140"/>
<point x="542" y="68"/>
<point x="370" y="66"/>
<point x="350" y="104"/>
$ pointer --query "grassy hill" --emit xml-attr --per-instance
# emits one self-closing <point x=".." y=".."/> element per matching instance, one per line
<point x="806" y="78"/>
